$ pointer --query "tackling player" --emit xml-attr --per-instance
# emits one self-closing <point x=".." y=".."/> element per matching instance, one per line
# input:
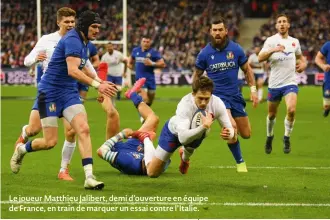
<point x="285" y="57"/>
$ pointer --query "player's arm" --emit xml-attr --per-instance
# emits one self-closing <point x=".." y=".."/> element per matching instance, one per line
<point x="36" y="55"/>
<point x="74" y="71"/>
<point x="95" y="60"/>
<point x="200" y="66"/>
<point x="321" y="62"/>
<point x="227" y="132"/>
<point x="253" y="64"/>
<point x="90" y="71"/>
<point x="124" y="61"/>
<point x="268" y="50"/>
<point x="130" y="62"/>
<point x="301" y="63"/>
<point x="249" y="77"/>
<point x="197" y="73"/>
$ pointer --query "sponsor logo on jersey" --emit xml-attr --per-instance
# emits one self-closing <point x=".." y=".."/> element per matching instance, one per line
<point x="230" y="55"/>
<point x="52" y="107"/>
<point x="136" y="155"/>
<point x="286" y="53"/>
<point x="221" y="66"/>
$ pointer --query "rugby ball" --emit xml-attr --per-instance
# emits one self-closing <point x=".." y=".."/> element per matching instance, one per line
<point x="197" y="118"/>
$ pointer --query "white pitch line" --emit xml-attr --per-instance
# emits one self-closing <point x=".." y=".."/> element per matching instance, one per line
<point x="267" y="204"/>
<point x="269" y="167"/>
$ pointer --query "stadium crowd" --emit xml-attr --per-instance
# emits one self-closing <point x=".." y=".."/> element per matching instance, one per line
<point x="178" y="28"/>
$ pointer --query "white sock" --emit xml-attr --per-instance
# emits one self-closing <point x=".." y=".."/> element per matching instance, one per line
<point x="270" y="127"/>
<point x="288" y="125"/>
<point x="24" y="134"/>
<point x="187" y="152"/>
<point x="23" y="149"/>
<point x="67" y="152"/>
<point x="260" y="94"/>
<point x="88" y="171"/>
<point x="149" y="150"/>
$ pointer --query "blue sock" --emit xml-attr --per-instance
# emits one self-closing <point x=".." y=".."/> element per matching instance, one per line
<point x="87" y="161"/>
<point x="28" y="146"/>
<point x="136" y="98"/>
<point x="236" y="151"/>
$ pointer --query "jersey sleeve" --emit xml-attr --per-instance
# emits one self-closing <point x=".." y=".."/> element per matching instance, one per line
<point x="325" y="49"/>
<point x="92" y="49"/>
<point x="222" y="115"/>
<point x="201" y="61"/>
<point x="298" y="49"/>
<point x="72" y="47"/>
<point x="156" y="56"/>
<point x="30" y="59"/>
<point x="242" y="59"/>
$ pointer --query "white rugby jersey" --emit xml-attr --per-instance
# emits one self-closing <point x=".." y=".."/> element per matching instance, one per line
<point x="282" y="64"/>
<point x="186" y="109"/>
<point x="46" y="43"/>
<point x="114" y="61"/>
<point x="253" y="59"/>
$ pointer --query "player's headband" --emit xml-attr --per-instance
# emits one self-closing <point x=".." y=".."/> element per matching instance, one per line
<point x="86" y="19"/>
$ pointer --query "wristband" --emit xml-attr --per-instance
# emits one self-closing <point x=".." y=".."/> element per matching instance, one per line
<point x="98" y="79"/>
<point x="253" y="89"/>
<point x="95" y="84"/>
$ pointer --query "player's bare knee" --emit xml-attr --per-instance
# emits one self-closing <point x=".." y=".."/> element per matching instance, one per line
<point x="291" y="112"/>
<point x="33" y="130"/>
<point x="246" y="135"/>
<point x="84" y="129"/>
<point x="154" y="118"/>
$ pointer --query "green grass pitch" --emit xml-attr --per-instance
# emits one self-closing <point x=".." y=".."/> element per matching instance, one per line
<point x="296" y="185"/>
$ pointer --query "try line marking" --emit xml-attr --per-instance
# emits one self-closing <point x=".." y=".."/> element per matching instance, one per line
<point x="272" y="168"/>
<point x="267" y="204"/>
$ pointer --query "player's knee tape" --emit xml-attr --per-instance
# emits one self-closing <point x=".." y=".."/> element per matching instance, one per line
<point x="162" y="154"/>
<point x="326" y="101"/>
<point x="49" y="122"/>
<point x="70" y="112"/>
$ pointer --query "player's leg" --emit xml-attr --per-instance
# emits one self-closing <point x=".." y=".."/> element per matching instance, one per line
<point x="260" y="83"/>
<point x="113" y="121"/>
<point x="242" y="126"/>
<point x="274" y="98"/>
<point x="151" y="85"/>
<point x="119" y="83"/>
<point x="157" y="160"/>
<point x="326" y="97"/>
<point x="291" y="103"/>
<point x="69" y="146"/>
<point x="34" y="126"/>
<point x="74" y="112"/>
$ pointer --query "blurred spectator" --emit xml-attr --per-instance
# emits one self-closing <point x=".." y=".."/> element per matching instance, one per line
<point x="178" y="28"/>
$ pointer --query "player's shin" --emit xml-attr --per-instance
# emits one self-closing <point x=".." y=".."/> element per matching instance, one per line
<point x="236" y="151"/>
<point x="270" y="126"/>
<point x="187" y="153"/>
<point x="288" y="127"/>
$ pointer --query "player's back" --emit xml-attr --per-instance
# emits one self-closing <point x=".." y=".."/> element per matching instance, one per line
<point x="282" y="64"/>
<point x="222" y="67"/>
<point x="56" y="76"/>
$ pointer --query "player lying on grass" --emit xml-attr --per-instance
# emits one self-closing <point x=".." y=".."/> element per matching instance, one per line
<point x="128" y="157"/>
<point x="182" y="130"/>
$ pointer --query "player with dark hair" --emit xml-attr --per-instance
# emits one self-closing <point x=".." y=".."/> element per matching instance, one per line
<point x="221" y="59"/>
<point x="58" y="96"/>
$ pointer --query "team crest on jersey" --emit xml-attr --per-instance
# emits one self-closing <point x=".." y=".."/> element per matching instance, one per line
<point x="82" y="64"/>
<point x="230" y="55"/>
<point x="136" y="155"/>
<point x="293" y="44"/>
<point x="212" y="57"/>
<point x="52" y="107"/>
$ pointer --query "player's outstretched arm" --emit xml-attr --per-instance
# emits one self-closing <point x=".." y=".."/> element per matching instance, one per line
<point x="130" y="62"/>
<point x="249" y="77"/>
<point x="320" y="61"/>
